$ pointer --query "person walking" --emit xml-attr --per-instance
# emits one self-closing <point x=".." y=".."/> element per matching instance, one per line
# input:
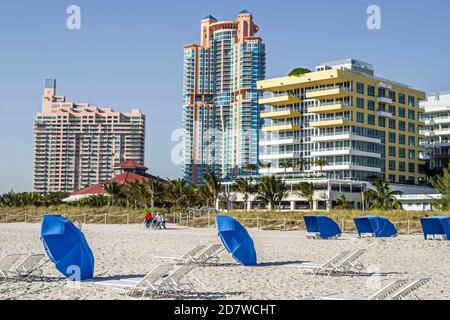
<point x="148" y="219"/>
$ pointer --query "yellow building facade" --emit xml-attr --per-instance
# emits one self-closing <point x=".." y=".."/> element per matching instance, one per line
<point x="359" y="125"/>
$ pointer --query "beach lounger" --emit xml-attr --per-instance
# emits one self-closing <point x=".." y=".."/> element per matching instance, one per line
<point x="130" y="286"/>
<point x="327" y="267"/>
<point x="351" y="263"/>
<point x="210" y="254"/>
<point x="8" y="262"/>
<point x="177" y="281"/>
<point x="382" y="294"/>
<point x="31" y="266"/>
<point x="409" y="289"/>
<point x="189" y="256"/>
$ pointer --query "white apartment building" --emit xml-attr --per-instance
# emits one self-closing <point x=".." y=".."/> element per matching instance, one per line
<point x="436" y="129"/>
<point x="77" y="145"/>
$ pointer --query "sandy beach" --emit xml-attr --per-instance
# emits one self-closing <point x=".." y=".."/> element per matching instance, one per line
<point x="124" y="250"/>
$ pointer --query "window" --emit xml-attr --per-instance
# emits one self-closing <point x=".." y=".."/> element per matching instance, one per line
<point x="371" y="119"/>
<point x="411" y="180"/>
<point x="392" y="123"/>
<point x="371" y="91"/>
<point x="411" y="154"/>
<point x="392" y="177"/>
<point x="411" y="101"/>
<point x="392" y="109"/>
<point x="401" y="179"/>
<point x="360" y="117"/>
<point x="401" y="153"/>
<point x="401" y="139"/>
<point x="411" y="127"/>
<point x="371" y="105"/>
<point x="401" y="112"/>
<point x="411" y="168"/>
<point x="392" y="95"/>
<point x="412" y="141"/>
<point x="411" y="114"/>
<point x="360" y="87"/>
<point x="392" y="151"/>
<point x="401" y="98"/>
<point x="401" y="125"/>
<point x="381" y="107"/>
<point x="391" y="164"/>
<point x="392" y="137"/>
<point x="401" y="166"/>
<point x="360" y="103"/>
<point x="382" y="121"/>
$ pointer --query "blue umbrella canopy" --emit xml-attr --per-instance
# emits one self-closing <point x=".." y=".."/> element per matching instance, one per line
<point x="326" y="226"/>
<point x="67" y="248"/>
<point x="436" y="225"/>
<point x="379" y="226"/>
<point x="236" y="240"/>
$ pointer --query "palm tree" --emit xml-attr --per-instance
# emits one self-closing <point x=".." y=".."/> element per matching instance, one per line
<point x="286" y="164"/>
<point x="213" y="184"/>
<point x="321" y="163"/>
<point x="179" y="193"/>
<point x="267" y="165"/>
<point x="442" y="185"/>
<point x="306" y="190"/>
<point x="153" y="190"/>
<point x="246" y="187"/>
<point x="301" y="165"/>
<point x="251" y="167"/>
<point x="343" y="204"/>
<point x="382" y="197"/>
<point x="115" y="191"/>
<point x="271" y="190"/>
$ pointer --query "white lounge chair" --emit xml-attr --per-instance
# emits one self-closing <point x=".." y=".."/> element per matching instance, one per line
<point x="409" y="289"/>
<point x="177" y="281"/>
<point x="130" y="286"/>
<point x="327" y="267"/>
<point x="382" y="294"/>
<point x="8" y="262"/>
<point x="189" y="256"/>
<point x="210" y="254"/>
<point x="31" y="266"/>
<point x="351" y="264"/>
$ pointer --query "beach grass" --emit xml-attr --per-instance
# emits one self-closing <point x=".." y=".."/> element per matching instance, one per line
<point x="405" y="221"/>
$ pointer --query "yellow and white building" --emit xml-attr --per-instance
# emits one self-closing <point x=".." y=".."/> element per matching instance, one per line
<point x="360" y="125"/>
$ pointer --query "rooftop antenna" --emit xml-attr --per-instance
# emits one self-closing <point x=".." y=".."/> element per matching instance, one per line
<point x="437" y="97"/>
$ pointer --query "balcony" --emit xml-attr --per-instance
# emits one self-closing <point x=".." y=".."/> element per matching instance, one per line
<point x="281" y="155"/>
<point x="329" y="108"/>
<point x="282" y="99"/>
<point x="384" y="85"/>
<point x="384" y="114"/>
<point x="342" y="137"/>
<point x="343" y="152"/>
<point x="330" y="122"/>
<point x="385" y="100"/>
<point x="328" y="92"/>
<point x="345" y="166"/>
<point x="285" y="127"/>
<point x="280" y="114"/>
<point x="279" y="142"/>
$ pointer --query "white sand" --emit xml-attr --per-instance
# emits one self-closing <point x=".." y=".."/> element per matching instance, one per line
<point x="130" y="250"/>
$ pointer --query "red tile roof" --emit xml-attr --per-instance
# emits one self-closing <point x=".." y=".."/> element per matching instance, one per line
<point x="130" y="164"/>
<point x="124" y="178"/>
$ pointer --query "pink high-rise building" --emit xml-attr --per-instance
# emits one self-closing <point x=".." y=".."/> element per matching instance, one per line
<point x="77" y="145"/>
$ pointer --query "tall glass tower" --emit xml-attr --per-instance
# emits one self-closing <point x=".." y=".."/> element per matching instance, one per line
<point x="221" y="114"/>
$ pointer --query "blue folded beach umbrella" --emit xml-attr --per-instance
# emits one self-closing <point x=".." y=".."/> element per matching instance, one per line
<point x="325" y="226"/>
<point x="436" y="226"/>
<point x="378" y="226"/>
<point x="67" y="248"/>
<point x="236" y="240"/>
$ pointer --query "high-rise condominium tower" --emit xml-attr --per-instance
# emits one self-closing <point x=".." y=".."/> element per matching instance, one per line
<point x="220" y="99"/>
<point x="77" y="145"/>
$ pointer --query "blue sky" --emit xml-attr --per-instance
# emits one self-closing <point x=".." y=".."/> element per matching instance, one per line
<point x="129" y="54"/>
